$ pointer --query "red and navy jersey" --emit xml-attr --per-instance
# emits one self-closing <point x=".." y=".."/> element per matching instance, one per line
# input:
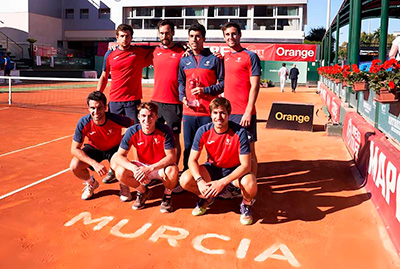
<point x="126" y="71"/>
<point x="102" y="137"/>
<point x="150" y="148"/>
<point x="239" y="67"/>
<point x="210" y="72"/>
<point x="166" y="65"/>
<point x="223" y="149"/>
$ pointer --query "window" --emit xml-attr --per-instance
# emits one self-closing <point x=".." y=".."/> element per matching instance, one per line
<point x="227" y="11"/>
<point x="189" y="22"/>
<point x="143" y="11"/>
<point x="194" y="11"/>
<point x="69" y="13"/>
<point x="243" y="11"/>
<point x="104" y="13"/>
<point x="288" y="11"/>
<point x="261" y="24"/>
<point x="150" y="24"/>
<point x="263" y="11"/>
<point x="84" y="13"/>
<point x="173" y="12"/>
<point x="288" y="24"/>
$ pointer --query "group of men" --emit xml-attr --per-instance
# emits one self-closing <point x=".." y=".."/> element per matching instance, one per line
<point x="188" y="87"/>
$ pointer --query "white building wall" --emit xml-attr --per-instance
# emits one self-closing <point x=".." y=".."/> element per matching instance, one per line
<point x="46" y="30"/>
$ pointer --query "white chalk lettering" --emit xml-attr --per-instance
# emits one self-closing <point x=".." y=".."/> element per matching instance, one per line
<point x="117" y="227"/>
<point x="243" y="248"/>
<point x="197" y="243"/>
<point x="87" y="219"/>
<point x="172" y="239"/>
<point x="270" y="253"/>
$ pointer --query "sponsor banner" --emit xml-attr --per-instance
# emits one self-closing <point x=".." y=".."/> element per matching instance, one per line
<point x="367" y="105"/>
<point x="383" y="182"/>
<point x="292" y="116"/>
<point x="356" y="134"/>
<point x="389" y="119"/>
<point x="266" y="52"/>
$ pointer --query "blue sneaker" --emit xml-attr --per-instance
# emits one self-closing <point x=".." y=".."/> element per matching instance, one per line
<point x="246" y="214"/>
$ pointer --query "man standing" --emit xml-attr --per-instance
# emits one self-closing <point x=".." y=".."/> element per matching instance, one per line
<point x="242" y="84"/>
<point x="156" y="155"/>
<point x="7" y="64"/>
<point x="228" y="162"/>
<point x="294" y="74"/>
<point x="283" y="73"/>
<point x="201" y="78"/>
<point x="125" y="64"/>
<point x="104" y="132"/>
<point x="166" y="59"/>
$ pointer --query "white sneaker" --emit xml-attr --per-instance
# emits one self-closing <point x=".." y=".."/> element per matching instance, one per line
<point x="88" y="190"/>
<point x="124" y="193"/>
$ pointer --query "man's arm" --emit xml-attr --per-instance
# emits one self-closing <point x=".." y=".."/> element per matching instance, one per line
<point x="253" y="94"/>
<point x="182" y="83"/>
<point x="194" y="168"/>
<point x="215" y="187"/>
<point x="83" y="157"/>
<point x="217" y="88"/>
<point x="393" y="51"/>
<point x="103" y="80"/>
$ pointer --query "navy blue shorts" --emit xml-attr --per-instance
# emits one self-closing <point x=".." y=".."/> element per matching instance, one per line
<point x="99" y="155"/>
<point x="251" y="130"/>
<point x="172" y="115"/>
<point x="217" y="172"/>
<point x="129" y="109"/>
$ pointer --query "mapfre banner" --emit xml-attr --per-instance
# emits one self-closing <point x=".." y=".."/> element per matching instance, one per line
<point x="266" y="52"/>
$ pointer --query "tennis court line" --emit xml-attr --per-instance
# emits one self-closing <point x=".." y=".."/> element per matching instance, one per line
<point x="34" y="183"/>
<point x="3" y="108"/>
<point x="34" y="146"/>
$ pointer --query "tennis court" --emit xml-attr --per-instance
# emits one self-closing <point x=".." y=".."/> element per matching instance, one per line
<point x="309" y="213"/>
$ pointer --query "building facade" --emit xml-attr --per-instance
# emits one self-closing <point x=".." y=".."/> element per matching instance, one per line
<point x="65" y="23"/>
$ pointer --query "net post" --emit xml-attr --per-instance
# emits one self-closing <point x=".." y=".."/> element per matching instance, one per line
<point x="9" y="92"/>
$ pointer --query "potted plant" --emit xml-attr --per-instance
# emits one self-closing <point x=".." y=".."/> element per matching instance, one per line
<point x="357" y="79"/>
<point x="384" y="79"/>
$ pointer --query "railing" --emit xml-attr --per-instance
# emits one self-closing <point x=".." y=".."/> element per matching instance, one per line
<point x="11" y="46"/>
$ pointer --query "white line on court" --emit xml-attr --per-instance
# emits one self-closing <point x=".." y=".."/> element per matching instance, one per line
<point x="34" y="146"/>
<point x="34" y="183"/>
<point x="4" y="108"/>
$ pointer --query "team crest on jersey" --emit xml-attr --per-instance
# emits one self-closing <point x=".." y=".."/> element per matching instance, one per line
<point x="156" y="140"/>
<point x="110" y="132"/>
<point x="228" y="141"/>
<point x="239" y="59"/>
<point x="173" y="55"/>
<point x="207" y="63"/>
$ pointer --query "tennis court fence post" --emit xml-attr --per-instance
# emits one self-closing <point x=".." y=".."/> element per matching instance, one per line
<point x="9" y="91"/>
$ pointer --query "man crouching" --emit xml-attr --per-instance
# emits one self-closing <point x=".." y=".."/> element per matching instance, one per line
<point x="155" y="157"/>
<point x="228" y="164"/>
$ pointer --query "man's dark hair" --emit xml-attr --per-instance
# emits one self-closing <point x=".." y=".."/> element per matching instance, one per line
<point x="166" y="22"/>
<point x="198" y="27"/>
<point x="124" y="27"/>
<point x="150" y="106"/>
<point x="220" y="102"/>
<point x="230" y="24"/>
<point x="283" y="64"/>
<point x="97" y="96"/>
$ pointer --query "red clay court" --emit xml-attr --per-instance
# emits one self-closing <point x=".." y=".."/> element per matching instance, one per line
<point x="310" y="211"/>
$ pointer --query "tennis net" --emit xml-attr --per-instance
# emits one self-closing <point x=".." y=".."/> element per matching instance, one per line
<point x="58" y="94"/>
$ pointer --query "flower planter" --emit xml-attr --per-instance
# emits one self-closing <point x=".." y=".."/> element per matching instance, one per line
<point x="385" y="96"/>
<point x="360" y="86"/>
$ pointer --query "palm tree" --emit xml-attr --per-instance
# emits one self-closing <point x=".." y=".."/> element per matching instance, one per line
<point x="316" y="34"/>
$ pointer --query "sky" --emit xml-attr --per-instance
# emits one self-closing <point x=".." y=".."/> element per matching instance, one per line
<point x="320" y="7"/>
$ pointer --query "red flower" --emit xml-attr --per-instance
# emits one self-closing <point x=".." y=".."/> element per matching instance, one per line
<point x="392" y="85"/>
<point x="355" y="68"/>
